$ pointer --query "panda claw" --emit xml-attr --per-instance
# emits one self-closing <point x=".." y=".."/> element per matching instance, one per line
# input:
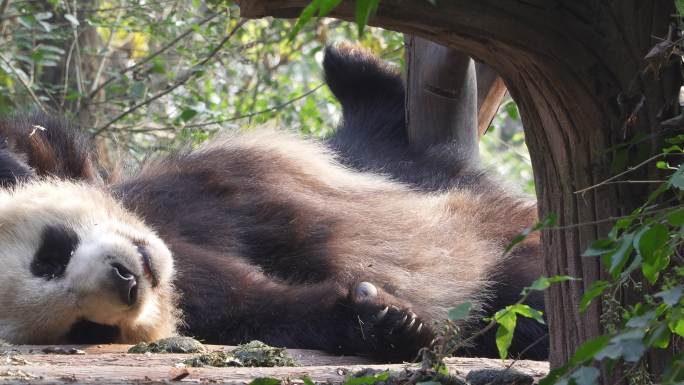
<point x="382" y="313"/>
<point x="413" y="321"/>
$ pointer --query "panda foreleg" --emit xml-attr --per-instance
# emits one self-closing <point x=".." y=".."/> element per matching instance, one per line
<point x="227" y="300"/>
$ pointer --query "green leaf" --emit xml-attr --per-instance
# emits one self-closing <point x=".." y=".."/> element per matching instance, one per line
<point x="506" y="319"/>
<point x="307" y="380"/>
<point x="641" y="321"/>
<point x="52" y="48"/>
<point x="43" y="15"/>
<point x="554" y="376"/>
<point x="660" y="338"/>
<point x="265" y="381"/>
<point x="527" y="311"/>
<point x="365" y="9"/>
<point x="72" y="19"/>
<point x="547" y="222"/>
<point x="306" y="15"/>
<point x="599" y="247"/>
<point x="673" y="148"/>
<point x="620" y="160"/>
<point x="621" y="224"/>
<point x="677" y="179"/>
<point x="658" y="192"/>
<point x="678" y="327"/>
<point x="460" y="312"/>
<point x="594" y="290"/>
<point x="188" y="114"/>
<point x="585" y="375"/>
<point x="676" y="217"/>
<point x="583" y="354"/>
<point x="616" y="259"/>
<point x="512" y="111"/>
<point x="543" y="283"/>
<point x="628" y="345"/>
<point x="367" y="380"/>
<point x="327" y="6"/>
<point x="680" y="7"/>
<point x="678" y="138"/>
<point x="670" y="297"/>
<point x="518" y="238"/>
<point x="651" y="240"/>
<point x="157" y="66"/>
<point x="652" y="269"/>
<point x="138" y="90"/>
<point x="588" y="350"/>
<point x="504" y="334"/>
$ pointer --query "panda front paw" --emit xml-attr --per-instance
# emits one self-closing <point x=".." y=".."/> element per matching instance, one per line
<point x="389" y="329"/>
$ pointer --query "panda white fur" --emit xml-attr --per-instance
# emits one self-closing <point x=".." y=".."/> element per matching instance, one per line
<point x="259" y="235"/>
<point x="71" y="252"/>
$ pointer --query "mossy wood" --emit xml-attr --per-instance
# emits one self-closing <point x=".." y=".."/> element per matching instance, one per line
<point x="576" y="69"/>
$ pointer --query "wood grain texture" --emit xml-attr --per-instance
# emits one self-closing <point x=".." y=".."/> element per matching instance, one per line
<point x="110" y="364"/>
<point x="491" y="91"/>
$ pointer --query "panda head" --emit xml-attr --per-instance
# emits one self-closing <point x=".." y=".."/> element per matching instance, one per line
<point x="69" y="253"/>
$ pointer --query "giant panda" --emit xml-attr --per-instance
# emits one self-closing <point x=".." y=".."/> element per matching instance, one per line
<point x="256" y="235"/>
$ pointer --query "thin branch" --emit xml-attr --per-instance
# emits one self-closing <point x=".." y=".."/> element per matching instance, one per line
<point x="78" y="61"/>
<point x="233" y="118"/>
<point x="105" y="55"/>
<point x="612" y="219"/>
<point x="152" y="56"/>
<point x="125" y="7"/>
<point x="636" y="181"/>
<point x="23" y="83"/>
<point x="67" y="65"/>
<point x="179" y="83"/>
<point x="252" y="114"/>
<point x="3" y="8"/>
<point x="620" y="174"/>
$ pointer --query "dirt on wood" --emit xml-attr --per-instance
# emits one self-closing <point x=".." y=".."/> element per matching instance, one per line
<point x="112" y="364"/>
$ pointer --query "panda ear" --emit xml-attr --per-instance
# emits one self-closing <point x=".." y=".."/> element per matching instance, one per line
<point x="12" y="168"/>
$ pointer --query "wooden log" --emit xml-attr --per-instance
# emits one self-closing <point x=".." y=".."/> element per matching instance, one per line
<point x="441" y="97"/>
<point x="111" y="364"/>
<point x="491" y="90"/>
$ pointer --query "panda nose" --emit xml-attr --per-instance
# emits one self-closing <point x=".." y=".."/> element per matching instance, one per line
<point x="125" y="284"/>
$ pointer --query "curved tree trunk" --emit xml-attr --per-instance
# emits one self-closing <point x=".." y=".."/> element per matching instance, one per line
<point x="575" y="68"/>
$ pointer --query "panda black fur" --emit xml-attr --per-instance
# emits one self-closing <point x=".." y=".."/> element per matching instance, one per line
<point x="271" y="239"/>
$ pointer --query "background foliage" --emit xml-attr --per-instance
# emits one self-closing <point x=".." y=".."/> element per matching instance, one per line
<point x="145" y="76"/>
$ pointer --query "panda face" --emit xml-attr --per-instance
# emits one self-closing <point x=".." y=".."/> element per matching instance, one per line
<point x="71" y="253"/>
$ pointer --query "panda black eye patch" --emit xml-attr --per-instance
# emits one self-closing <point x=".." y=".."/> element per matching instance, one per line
<point x="56" y="247"/>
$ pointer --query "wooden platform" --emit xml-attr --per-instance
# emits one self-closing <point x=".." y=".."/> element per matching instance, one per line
<point x="110" y="364"/>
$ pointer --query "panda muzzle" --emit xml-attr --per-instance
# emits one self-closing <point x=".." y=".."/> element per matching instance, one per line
<point x="125" y="284"/>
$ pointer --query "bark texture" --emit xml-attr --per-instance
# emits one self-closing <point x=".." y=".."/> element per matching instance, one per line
<point x="576" y="70"/>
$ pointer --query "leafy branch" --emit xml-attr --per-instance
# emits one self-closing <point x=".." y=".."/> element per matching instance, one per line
<point x="197" y="68"/>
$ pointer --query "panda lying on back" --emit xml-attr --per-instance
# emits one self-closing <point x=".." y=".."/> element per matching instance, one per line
<point x="260" y="235"/>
